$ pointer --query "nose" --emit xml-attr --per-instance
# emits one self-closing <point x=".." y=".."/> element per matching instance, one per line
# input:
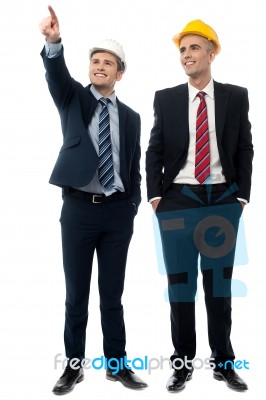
<point x="187" y="54"/>
<point x="100" y="67"/>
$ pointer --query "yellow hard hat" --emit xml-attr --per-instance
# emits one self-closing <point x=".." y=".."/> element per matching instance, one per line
<point x="198" y="27"/>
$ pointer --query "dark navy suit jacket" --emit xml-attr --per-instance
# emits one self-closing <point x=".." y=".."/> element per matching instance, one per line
<point x="77" y="160"/>
<point x="169" y="141"/>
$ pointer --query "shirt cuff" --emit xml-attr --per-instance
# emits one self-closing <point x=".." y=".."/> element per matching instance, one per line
<point x="243" y="200"/>
<point x="154" y="198"/>
<point x="53" y="50"/>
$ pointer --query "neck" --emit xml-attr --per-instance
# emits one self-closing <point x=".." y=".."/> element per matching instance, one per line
<point x="200" y="83"/>
<point x="104" y="91"/>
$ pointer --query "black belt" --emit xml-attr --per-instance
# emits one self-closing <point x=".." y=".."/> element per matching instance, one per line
<point x="217" y="187"/>
<point x="97" y="198"/>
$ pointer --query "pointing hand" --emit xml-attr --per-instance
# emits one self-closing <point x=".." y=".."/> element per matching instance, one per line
<point x="49" y="27"/>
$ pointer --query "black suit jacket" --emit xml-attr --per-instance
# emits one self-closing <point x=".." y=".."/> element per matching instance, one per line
<point x="169" y="140"/>
<point x="77" y="160"/>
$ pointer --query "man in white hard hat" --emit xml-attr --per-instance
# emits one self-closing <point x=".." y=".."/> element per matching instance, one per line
<point x="98" y="169"/>
<point x="199" y="165"/>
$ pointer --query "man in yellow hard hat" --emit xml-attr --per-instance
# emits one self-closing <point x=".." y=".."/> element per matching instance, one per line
<point x="199" y="165"/>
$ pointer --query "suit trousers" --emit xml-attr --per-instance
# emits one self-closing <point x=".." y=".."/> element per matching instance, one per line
<point x="106" y="229"/>
<point x="199" y="222"/>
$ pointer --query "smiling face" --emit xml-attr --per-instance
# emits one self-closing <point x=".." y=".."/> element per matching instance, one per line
<point x="104" y="72"/>
<point x="196" y="56"/>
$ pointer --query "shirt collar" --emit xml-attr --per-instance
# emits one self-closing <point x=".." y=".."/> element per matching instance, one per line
<point x="209" y="90"/>
<point x="98" y="95"/>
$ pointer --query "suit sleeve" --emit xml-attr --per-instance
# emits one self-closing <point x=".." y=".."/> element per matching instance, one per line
<point x="60" y="83"/>
<point x="245" y="152"/>
<point x="155" y="154"/>
<point x="135" y="176"/>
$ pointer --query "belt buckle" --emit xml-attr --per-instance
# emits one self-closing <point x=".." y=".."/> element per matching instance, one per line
<point x="94" y="199"/>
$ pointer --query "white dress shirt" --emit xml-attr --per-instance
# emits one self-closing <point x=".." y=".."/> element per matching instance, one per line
<point x="186" y="174"/>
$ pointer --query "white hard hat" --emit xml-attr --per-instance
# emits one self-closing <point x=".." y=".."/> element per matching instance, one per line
<point x="113" y="47"/>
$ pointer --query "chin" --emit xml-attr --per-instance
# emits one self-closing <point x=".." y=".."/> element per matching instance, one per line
<point x="98" y="84"/>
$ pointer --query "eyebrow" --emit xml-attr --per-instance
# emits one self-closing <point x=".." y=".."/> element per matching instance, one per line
<point x="105" y="60"/>
<point x="192" y="45"/>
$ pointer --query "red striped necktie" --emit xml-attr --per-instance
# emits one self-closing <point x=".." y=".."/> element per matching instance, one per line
<point x="202" y="153"/>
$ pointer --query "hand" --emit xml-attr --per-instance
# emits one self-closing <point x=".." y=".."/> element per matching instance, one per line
<point x="242" y="203"/>
<point x="155" y="204"/>
<point x="49" y="27"/>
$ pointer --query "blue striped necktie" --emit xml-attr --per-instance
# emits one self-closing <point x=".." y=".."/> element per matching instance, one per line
<point x="106" y="167"/>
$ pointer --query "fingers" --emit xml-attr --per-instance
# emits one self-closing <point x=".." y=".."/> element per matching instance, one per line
<point x="45" y="25"/>
<point x="53" y="14"/>
<point x="155" y="204"/>
<point x="50" y="27"/>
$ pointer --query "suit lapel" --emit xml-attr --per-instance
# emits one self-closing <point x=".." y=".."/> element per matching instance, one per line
<point x="89" y="106"/>
<point x="221" y="97"/>
<point x="180" y="103"/>
<point x="180" y="98"/>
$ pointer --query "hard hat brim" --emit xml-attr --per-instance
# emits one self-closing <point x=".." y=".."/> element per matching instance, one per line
<point x="94" y="49"/>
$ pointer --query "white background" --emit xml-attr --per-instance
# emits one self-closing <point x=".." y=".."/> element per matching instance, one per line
<point x="32" y="281"/>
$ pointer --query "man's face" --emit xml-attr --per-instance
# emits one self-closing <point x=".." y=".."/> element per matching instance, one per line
<point x="103" y="71"/>
<point x="195" y="56"/>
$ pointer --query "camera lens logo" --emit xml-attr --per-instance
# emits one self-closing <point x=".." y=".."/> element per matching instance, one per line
<point x="216" y="234"/>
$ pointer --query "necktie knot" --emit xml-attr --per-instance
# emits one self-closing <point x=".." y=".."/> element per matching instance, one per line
<point x="104" y="101"/>
<point x="201" y="95"/>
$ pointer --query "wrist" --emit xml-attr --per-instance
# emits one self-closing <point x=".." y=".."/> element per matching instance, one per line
<point x="54" y="41"/>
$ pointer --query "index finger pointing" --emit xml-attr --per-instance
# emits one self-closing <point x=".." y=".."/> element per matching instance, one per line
<point x="52" y="13"/>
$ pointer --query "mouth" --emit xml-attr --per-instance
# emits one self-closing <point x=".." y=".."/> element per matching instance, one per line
<point x="100" y="75"/>
<point x="189" y="63"/>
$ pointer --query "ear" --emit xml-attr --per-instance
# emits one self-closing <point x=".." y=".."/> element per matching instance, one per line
<point x="119" y="75"/>
<point x="211" y="56"/>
